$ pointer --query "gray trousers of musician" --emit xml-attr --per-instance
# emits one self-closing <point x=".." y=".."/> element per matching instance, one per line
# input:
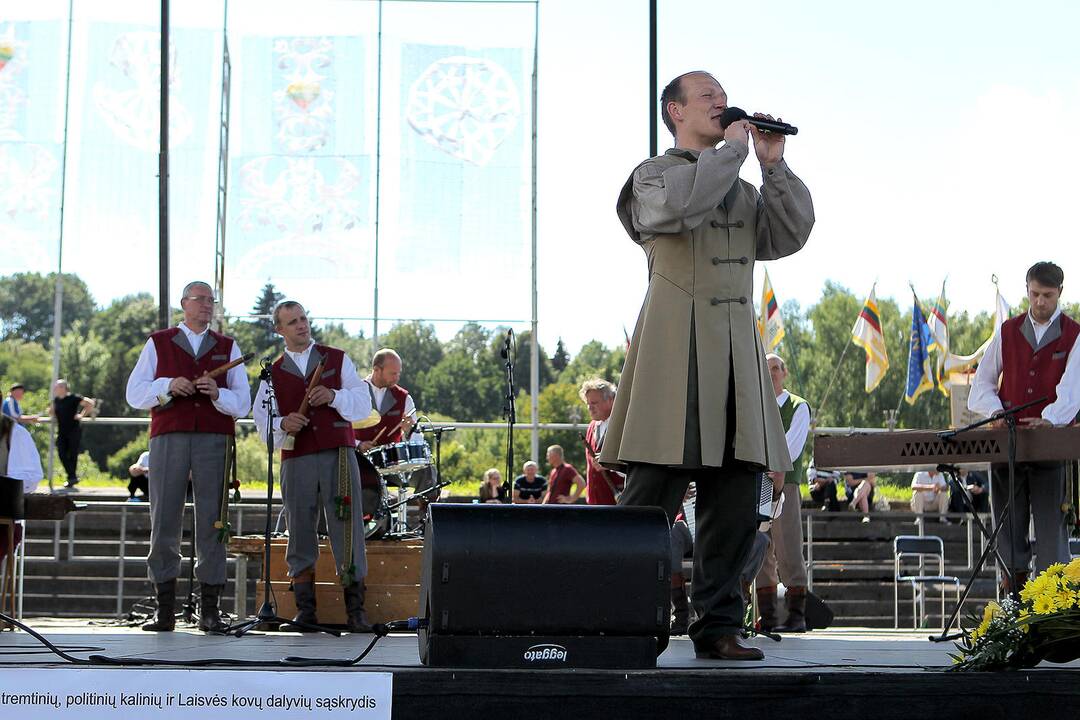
<point x="309" y="484"/>
<point x="784" y="557"/>
<point x="1039" y="491"/>
<point x="173" y="456"/>
<point x="726" y="526"/>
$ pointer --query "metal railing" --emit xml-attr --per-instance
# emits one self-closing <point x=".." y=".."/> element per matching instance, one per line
<point x="918" y="521"/>
<point x="64" y="548"/>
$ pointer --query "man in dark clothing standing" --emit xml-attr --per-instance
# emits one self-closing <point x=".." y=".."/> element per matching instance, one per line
<point x="68" y="410"/>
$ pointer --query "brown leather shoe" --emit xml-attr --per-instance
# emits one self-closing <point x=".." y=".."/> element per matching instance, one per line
<point x="728" y="647"/>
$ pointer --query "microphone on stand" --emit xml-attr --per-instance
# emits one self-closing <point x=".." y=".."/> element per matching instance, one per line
<point x="734" y="114"/>
<point x="505" y="352"/>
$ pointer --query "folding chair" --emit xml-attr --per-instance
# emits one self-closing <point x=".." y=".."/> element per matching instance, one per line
<point x="920" y="547"/>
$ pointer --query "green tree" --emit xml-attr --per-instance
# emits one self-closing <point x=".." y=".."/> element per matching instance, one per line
<point x="462" y="388"/>
<point x="357" y="347"/>
<point x="257" y="335"/>
<point x="594" y="360"/>
<point x="420" y="352"/>
<point x="523" y="358"/>
<point x="27" y="301"/>
<point x="26" y="362"/>
<point x="561" y="358"/>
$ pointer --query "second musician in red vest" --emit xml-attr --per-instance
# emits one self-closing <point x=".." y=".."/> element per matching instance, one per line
<point x="319" y="474"/>
<point x="393" y="403"/>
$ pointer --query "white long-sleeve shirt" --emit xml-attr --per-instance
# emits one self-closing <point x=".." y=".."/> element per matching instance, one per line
<point x="380" y="394"/>
<point x="983" y="398"/>
<point x="352" y="401"/>
<point x="143" y="388"/>
<point x="23" y="461"/>
<point x="800" y="426"/>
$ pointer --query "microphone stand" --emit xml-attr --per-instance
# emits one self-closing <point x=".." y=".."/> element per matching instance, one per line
<point x="267" y="615"/>
<point x="1009" y="416"/>
<point x="510" y="410"/>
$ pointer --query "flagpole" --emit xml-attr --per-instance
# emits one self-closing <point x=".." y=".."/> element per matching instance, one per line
<point x="832" y="380"/>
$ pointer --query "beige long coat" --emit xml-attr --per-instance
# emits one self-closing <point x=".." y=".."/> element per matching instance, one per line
<point x="702" y="229"/>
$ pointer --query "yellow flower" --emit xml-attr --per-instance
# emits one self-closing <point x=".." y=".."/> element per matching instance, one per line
<point x="1055" y="569"/>
<point x="1043" y="605"/>
<point x="1072" y="571"/>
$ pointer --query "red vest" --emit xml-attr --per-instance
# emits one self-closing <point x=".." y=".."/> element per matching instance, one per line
<point x="389" y="420"/>
<point x="194" y="413"/>
<point x="597" y="489"/>
<point x="327" y="429"/>
<point x="1028" y="374"/>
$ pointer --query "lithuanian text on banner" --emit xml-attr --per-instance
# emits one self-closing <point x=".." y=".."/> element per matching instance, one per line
<point x="164" y="694"/>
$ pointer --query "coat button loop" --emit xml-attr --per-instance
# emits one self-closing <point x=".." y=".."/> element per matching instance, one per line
<point x="715" y="223"/>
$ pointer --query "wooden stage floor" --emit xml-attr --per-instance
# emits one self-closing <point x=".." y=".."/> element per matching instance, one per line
<point x="829" y="674"/>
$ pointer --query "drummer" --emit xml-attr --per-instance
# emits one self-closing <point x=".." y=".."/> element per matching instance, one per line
<point x="395" y="406"/>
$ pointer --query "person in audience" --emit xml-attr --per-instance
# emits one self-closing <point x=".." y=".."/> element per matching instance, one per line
<point x="859" y="491"/>
<point x="12" y="408"/>
<point x="20" y="462"/>
<point x="68" y="409"/>
<point x="529" y="488"/>
<point x="929" y="493"/>
<point x="139" y="478"/>
<point x="823" y="488"/>
<point x="492" y="490"/>
<point x="565" y="484"/>
<point x="976" y="485"/>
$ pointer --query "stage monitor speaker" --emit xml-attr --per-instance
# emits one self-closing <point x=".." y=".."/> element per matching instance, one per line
<point x="557" y="586"/>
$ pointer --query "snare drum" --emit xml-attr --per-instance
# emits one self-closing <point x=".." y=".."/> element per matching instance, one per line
<point x="419" y="454"/>
<point x="389" y="459"/>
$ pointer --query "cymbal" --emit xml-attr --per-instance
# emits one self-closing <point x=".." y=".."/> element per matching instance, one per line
<point x="370" y="421"/>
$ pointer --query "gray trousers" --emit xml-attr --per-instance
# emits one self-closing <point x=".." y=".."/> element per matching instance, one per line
<point x="784" y="558"/>
<point x="173" y="456"/>
<point x="1039" y="491"/>
<point x="309" y="484"/>
<point x="726" y="528"/>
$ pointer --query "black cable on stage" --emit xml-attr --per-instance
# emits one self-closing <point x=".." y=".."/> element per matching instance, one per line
<point x="43" y="640"/>
<point x="380" y="631"/>
<point x="412" y="625"/>
<point x="37" y="650"/>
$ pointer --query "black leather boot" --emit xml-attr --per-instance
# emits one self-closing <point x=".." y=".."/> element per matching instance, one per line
<point x="304" y="594"/>
<point x="680" y="604"/>
<point x="210" y="610"/>
<point x="796" y="611"/>
<point x="766" y="602"/>
<point x="354" y="608"/>
<point x="165" y="616"/>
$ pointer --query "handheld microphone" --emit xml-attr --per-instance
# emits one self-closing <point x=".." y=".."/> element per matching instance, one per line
<point x="734" y="114"/>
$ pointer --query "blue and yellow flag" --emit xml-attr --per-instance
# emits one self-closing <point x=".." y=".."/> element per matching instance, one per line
<point x="919" y="373"/>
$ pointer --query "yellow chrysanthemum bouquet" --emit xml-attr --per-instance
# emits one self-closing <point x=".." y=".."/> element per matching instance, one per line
<point x="1043" y="625"/>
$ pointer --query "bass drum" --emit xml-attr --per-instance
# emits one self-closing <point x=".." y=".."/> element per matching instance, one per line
<point x="376" y="514"/>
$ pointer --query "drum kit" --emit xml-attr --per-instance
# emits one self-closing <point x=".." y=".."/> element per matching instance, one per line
<point x="398" y="465"/>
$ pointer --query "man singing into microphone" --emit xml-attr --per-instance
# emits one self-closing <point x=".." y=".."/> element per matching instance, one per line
<point x="696" y="402"/>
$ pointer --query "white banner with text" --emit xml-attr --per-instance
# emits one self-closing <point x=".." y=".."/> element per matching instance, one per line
<point x="160" y="694"/>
